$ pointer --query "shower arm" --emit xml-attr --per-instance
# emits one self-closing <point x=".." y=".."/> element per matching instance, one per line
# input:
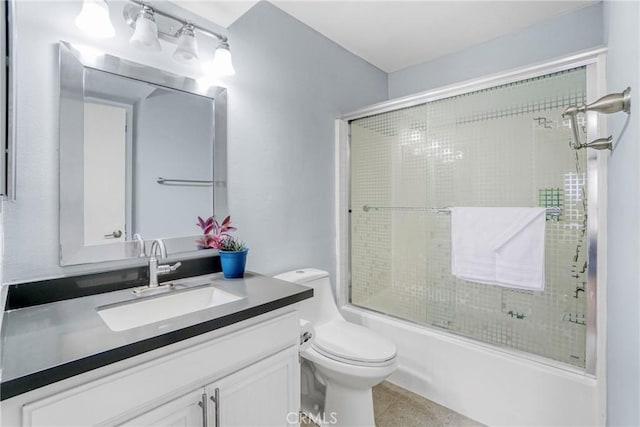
<point x="608" y="104"/>
<point x="572" y="112"/>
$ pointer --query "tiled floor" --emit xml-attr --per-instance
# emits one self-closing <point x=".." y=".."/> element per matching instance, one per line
<point x="397" y="407"/>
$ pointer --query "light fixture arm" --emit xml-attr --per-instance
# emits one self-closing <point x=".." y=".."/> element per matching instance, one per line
<point x="608" y="104"/>
<point x="130" y="17"/>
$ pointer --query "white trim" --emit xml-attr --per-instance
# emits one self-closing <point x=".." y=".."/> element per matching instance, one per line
<point x="597" y="181"/>
<point x="341" y="203"/>
<point x="560" y="64"/>
<point x="598" y="75"/>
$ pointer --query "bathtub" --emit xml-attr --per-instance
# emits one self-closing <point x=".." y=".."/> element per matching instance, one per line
<point x="485" y="383"/>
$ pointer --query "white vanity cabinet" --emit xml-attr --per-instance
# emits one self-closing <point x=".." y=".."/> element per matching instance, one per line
<point x="254" y="369"/>
<point x="263" y="394"/>
<point x="184" y="411"/>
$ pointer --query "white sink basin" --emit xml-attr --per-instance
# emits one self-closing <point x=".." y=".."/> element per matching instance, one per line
<point x="130" y="315"/>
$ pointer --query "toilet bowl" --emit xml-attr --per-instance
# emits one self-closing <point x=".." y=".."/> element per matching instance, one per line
<point x="349" y="358"/>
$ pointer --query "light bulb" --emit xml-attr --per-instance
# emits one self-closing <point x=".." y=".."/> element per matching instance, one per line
<point x="94" y="19"/>
<point x="187" y="50"/>
<point x="145" y="35"/>
<point x="221" y="66"/>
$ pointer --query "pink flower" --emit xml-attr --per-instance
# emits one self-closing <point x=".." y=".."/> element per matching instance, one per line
<point x="215" y="233"/>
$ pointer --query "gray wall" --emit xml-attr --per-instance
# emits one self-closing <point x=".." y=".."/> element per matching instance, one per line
<point x="623" y="289"/>
<point x="291" y="84"/>
<point x="553" y="38"/>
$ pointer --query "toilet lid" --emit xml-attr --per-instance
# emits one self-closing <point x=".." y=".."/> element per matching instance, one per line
<point x="349" y="342"/>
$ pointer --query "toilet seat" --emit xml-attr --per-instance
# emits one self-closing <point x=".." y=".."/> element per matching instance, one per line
<point x="353" y="344"/>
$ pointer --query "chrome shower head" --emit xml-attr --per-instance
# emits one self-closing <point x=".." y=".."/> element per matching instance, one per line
<point x="610" y="104"/>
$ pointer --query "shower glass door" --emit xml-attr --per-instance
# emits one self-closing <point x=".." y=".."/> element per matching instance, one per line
<point x="503" y="146"/>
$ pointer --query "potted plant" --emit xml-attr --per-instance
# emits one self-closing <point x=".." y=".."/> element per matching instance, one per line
<point x="233" y="252"/>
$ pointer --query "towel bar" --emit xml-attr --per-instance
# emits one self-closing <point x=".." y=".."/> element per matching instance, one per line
<point x="170" y="181"/>
<point x="553" y="211"/>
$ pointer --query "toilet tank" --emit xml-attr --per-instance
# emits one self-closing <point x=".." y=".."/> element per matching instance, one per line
<point x="322" y="307"/>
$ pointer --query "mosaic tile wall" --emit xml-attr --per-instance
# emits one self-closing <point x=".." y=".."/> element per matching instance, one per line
<point x="504" y="146"/>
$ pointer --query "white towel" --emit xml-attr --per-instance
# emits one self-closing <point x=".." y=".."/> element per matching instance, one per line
<point x="499" y="246"/>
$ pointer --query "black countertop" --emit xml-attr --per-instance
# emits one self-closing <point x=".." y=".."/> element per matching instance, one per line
<point x="45" y="343"/>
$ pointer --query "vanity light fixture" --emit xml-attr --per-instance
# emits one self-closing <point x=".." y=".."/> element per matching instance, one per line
<point x="94" y="19"/>
<point x="184" y="37"/>
<point x="145" y="35"/>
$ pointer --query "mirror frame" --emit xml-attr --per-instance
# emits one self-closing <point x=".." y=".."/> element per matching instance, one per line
<point x="73" y="61"/>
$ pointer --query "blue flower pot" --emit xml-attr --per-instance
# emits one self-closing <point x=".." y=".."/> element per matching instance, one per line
<point x="233" y="263"/>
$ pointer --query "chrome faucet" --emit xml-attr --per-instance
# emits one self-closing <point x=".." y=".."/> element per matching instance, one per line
<point x="158" y="244"/>
<point x="154" y="269"/>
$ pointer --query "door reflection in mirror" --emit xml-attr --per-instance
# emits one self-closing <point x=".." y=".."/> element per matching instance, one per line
<point x="105" y="146"/>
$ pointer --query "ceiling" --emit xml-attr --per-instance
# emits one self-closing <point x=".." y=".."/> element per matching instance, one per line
<point x="223" y="13"/>
<point x="396" y="34"/>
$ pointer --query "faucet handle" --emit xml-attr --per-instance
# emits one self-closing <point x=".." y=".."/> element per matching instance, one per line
<point x="166" y="268"/>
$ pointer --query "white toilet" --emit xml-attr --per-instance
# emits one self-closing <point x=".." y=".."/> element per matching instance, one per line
<point x="349" y="359"/>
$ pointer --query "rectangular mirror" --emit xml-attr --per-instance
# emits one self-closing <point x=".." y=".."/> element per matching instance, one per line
<point x="142" y="154"/>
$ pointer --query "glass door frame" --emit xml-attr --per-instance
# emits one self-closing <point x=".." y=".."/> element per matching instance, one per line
<point x="594" y="61"/>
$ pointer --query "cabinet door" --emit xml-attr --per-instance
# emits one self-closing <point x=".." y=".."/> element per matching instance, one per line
<point x="185" y="411"/>
<point x="266" y="393"/>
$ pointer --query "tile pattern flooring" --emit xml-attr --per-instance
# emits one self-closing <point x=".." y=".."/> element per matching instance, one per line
<point x="397" y="407"/>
